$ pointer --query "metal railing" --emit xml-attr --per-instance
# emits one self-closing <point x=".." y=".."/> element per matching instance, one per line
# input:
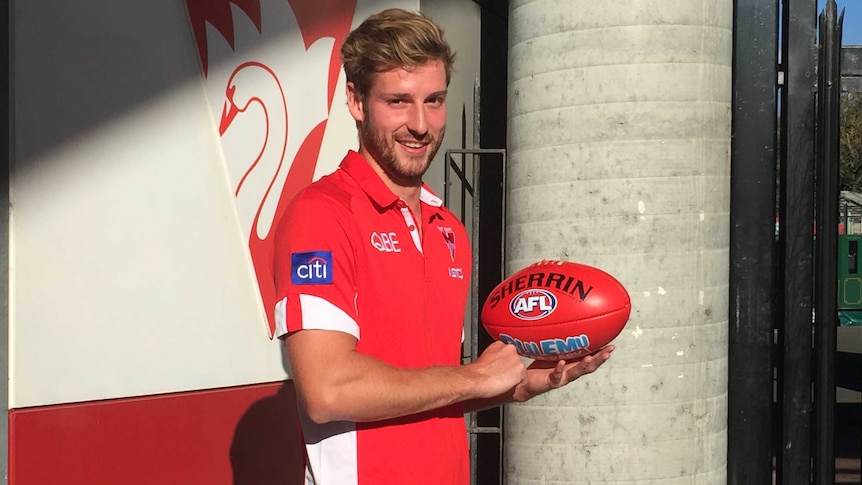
<point x="467" y="171"/>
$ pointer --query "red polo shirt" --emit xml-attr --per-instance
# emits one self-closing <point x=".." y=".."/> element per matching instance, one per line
<point x="349" y="258"/>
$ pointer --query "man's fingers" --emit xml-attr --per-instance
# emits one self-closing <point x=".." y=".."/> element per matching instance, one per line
<point x="584" y="366"/>
<point x="558" y="375"/>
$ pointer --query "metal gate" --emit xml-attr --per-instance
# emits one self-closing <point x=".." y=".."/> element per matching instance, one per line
<point x="781" y="420"/>
<point x="485" y="428"/>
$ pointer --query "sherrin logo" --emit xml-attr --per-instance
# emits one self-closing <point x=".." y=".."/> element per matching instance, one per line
<point x="533" y="304"/>
<point x="312" y="268"/>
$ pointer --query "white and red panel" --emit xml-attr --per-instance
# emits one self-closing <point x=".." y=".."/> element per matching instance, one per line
<point x="142" y="196"/>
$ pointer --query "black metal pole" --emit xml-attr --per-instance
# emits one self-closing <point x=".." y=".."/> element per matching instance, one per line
<point x="796" y="236"/>
<point x="492" y="128"/>
<point x="752" y="242"/>
<point x="826" y="245"/>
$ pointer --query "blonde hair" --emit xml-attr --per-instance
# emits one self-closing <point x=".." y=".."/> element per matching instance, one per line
<point x="389" y="40"/>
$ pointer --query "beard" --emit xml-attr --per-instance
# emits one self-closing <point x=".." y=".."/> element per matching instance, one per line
<point x="402" y="168"/>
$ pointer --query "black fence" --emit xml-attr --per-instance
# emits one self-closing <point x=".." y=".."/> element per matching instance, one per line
<point x="789" y="67"/>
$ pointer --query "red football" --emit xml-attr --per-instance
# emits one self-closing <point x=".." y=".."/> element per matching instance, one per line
<point x="555" y="310"/>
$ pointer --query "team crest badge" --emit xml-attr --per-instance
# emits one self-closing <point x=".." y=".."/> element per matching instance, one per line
<point x="449" y="237"/>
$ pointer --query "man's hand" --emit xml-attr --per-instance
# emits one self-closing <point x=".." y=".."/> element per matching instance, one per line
<point x="499" y="370"/>
<point x="544" y="375"/>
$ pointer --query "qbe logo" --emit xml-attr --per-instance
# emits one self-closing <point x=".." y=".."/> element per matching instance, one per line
<point x="533" y="304"/>
<point x="312" y="268"/>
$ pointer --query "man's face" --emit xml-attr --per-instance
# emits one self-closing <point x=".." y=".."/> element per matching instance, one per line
<point x="402" y="121"/>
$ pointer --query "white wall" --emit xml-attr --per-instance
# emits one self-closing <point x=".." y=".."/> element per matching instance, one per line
<point x="460" y="20"/>
<point x="128" y="273"/>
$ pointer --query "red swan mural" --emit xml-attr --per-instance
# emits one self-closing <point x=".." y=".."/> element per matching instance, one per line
<point x="284" y="157"/>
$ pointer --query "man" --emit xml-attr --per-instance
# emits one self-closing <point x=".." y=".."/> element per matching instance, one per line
<point x="372" y="277"/>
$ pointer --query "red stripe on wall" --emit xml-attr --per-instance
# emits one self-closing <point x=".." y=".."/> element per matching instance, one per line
<point x="235" y="436"/>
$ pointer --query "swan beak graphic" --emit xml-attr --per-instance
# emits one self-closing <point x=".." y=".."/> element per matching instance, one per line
<point x="228" y="112"/>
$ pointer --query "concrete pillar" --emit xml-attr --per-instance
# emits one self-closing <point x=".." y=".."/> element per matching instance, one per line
<point x="619" y="150"/>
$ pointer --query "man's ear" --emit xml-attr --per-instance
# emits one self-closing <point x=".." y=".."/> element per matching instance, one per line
<point x="354" y="103"/>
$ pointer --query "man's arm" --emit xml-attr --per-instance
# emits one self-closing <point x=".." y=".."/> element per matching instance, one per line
<point x="335" y="383"/>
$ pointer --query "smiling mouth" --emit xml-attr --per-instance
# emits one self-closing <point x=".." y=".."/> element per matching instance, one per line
<point x="412" y="144"/>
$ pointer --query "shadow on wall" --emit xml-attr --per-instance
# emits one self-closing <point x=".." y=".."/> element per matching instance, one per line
<point x="267" y="446"/>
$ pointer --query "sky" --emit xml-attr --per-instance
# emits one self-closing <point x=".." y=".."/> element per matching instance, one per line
<point x="852" y="19"/>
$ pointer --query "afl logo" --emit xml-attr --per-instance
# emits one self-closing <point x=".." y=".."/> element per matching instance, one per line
<point x="533" y="304"/>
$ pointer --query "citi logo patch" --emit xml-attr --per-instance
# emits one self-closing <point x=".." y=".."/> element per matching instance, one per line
<point x="533" y="304"/>
<point x="312" y="268"/>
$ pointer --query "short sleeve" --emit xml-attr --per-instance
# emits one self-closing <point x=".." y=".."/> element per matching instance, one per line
<point x="314" y="266"/>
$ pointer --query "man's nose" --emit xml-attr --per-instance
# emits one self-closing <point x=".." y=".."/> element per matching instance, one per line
<point x="417" y="121"/>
